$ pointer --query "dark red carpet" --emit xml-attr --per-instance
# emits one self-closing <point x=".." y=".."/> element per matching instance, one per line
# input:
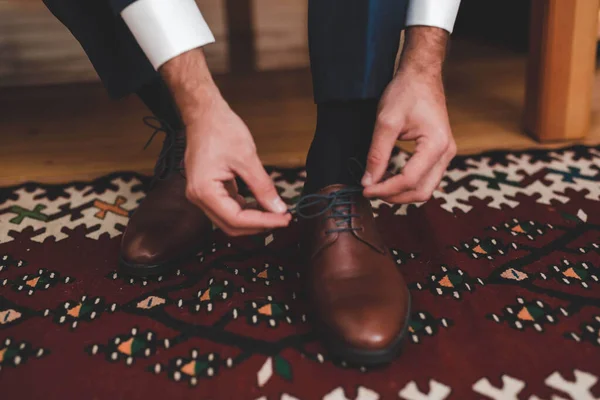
<point x="503" y="265"/>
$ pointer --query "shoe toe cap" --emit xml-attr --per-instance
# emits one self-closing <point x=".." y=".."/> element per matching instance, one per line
<point x="368" y="324"/>
<point x="142" y="250"/>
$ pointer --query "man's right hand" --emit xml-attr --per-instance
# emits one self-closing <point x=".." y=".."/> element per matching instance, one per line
<point x="219" y="148"/>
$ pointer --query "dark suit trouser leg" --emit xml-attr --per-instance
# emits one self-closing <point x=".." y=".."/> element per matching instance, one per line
<point x="353" y="46"/>
<point x="119" y="61"/>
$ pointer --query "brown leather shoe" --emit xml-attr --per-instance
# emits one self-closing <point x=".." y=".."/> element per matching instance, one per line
<point x="166" y="228"/>
<point x="360" y="299"/>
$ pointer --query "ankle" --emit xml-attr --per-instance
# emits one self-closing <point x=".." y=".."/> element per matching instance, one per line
<point x="342" y="138"/>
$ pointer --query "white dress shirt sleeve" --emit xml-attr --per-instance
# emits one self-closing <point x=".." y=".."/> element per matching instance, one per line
<point x="165" y="29"/>
<point x="438" y="13"/>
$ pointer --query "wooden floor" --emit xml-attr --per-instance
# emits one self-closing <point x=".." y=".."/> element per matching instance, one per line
<point x="57" y="134"/>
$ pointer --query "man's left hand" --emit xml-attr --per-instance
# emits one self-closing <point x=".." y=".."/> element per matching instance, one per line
<point x="413" y="107"/>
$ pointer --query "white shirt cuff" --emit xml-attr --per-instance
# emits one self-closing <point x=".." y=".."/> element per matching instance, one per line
<point x="165" y="29"/>
<point x="438" y="13"/>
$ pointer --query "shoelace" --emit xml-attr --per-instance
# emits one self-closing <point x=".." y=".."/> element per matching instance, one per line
<point x="339" y="202"/>
<point x="173" y="149"/>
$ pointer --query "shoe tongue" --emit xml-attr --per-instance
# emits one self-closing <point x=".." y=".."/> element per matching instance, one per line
<point x="319" y="201"/>
<point x="365" y="231"/>
<point x="171" y="157"/>
<point x="332" y="188"/>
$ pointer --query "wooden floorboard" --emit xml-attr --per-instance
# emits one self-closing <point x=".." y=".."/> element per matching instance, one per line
<point x="63" y="133"/>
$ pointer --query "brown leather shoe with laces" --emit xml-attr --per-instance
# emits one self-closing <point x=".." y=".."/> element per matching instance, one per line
<point x="360" y="300"/>
<point x="166" y="228"/>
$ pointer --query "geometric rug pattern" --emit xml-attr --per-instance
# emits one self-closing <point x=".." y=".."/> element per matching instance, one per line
<point x="503" y="264"/>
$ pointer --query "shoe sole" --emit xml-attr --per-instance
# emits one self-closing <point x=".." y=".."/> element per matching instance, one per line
<point x="145" y="270"/>
<point x="151" y="270"/>
<point x="369" y="358"/>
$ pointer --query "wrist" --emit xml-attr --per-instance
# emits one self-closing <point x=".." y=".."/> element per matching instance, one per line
<point x="190" y="82"/>
<point x="424" y="50"/>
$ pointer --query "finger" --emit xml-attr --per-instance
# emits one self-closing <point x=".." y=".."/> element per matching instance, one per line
<point x="420" y="195"/>
<point x="261" y="185"/>
<point x="232" y="232"/>
<point x="219" y="223"/>
<point x="233" y="216"/>
<point x="241" y="200"/>
<point x="227" y="214"/>
<point x="252" y="205"/>
<point x="233" y="190"/>
<point x="231" y="187"/>
<point x="417" y="167"/>
<point x="216" y="220"/>
<point x="384" y="138"/>
<point x="425" y="191"/>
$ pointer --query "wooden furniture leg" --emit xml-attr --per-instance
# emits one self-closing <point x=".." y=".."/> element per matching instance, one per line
<point x="561" y="68"/>
<point x="242" y="51"/>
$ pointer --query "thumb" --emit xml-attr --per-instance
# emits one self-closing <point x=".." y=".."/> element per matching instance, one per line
<point x="262" y="186"/>
<point x="384" y="139"/>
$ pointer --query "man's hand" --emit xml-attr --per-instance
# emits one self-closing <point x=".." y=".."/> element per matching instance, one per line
<point x="219" y="148"/>
<point x="413" y="107"/>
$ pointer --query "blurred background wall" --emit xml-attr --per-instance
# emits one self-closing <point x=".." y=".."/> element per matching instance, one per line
<point x="54" y="128"/>
<point x="35" y="48"/>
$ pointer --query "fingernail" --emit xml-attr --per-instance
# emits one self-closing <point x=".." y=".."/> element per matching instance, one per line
<point x="367" y="179"/>
<point x="279" y="205"/>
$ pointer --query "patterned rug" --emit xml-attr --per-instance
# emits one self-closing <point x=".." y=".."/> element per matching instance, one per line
<point x="503" y="265"/>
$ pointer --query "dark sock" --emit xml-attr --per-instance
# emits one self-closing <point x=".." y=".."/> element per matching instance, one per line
<point x="159" y="101"/>
<point x="342" y="137"/>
